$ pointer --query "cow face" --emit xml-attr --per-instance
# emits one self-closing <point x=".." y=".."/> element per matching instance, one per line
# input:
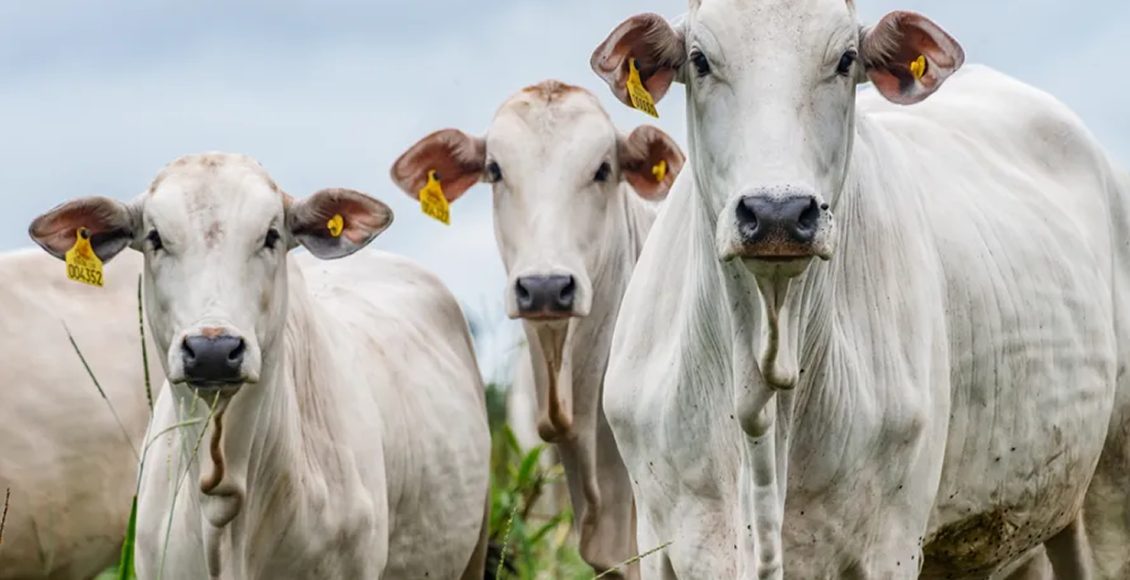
<point x="556" y="164"/>
<point x="771" y="89"/>
<point x="215" y="231"/>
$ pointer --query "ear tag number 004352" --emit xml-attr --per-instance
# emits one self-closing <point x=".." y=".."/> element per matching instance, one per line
<point x="432" y="201"/>
<point x="83" y="265"/>
<point x="641" y="99"/>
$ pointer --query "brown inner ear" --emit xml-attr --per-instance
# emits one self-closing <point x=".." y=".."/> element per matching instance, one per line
<point x="457" y="159"/>
<point x="57" y="231"/>
<point x="358" y="222"/>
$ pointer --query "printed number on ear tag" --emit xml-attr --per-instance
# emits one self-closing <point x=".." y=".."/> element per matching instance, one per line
<point x="83" y="265"/>
<point x="918" y="67"/>
<point x="659" y="171"/>
<point x="432" y="200"/>
<point x="336" y="225"/>
<point x="641" y="99"/>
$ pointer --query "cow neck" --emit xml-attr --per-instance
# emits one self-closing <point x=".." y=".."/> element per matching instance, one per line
<point x="576" y="352"/>
<point x="277" y="436"/>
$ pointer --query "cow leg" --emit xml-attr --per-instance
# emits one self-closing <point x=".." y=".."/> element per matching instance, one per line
<point x="476" y="567"/>
<point x="1106" y="508"/>
<point x="1068" y="552"/>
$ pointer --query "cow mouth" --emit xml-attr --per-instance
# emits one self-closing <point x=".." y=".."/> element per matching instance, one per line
<point x="212" y="388"/>
<point x="548" y="316"/>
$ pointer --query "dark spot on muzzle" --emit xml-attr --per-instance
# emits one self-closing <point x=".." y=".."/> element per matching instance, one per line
<point x="545" y="296"/>
<point x="778" y="224"/>
<point x="213" y="360"/>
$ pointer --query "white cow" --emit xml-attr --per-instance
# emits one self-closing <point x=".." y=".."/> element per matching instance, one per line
<point x="70" y="467"/>
<point x="348" y="434"/>
<point x="930" y="397"/>
<point x="573" y="202"/>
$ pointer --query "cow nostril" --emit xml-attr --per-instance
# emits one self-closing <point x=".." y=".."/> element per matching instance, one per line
<point x="186" y="350"/>
<point x="746" y="215"/>
<point x="522" y="293"/>
<point x="810" y="216"/>
<point x="236" y="353"/>
<point x="568" y="291"/>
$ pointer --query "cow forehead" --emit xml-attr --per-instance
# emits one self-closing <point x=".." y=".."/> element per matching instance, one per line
<point x="548" y="112"/>
<point x="753" y="18"/>
<point x="207" y="189"/>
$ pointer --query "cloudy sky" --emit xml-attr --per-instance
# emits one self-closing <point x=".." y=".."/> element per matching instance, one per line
<point x="95" y="97"/>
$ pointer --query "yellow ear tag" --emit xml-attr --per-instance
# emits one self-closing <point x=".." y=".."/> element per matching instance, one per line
<point x="641" y="99"/>
<point x="432" y="200"/>
<point x="659" y="171"/>
<point x="83" y="265"/>
<point x="918" y="67"/>
<point x="335" y="225"/>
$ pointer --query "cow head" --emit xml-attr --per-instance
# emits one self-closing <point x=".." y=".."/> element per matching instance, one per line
<point x="556" y="164"/>
<point x="771" y="89"/>
<point x="215" y="231"/>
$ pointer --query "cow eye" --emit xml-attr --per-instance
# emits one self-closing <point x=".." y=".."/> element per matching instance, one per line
<point x="700" y="62"/>
<point x="848" y="59"/>
<point x="603" y="172"/>
<point x="494" y="172"/>
<point x="271" y="239"/>
<point x="154" y="240"/>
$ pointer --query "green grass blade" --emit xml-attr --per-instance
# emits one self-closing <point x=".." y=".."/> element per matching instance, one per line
<point x="97" y="385"/>
<point x="125" y="564"/>
<point x="4" y="518"/>
<point x="144" y="352"/>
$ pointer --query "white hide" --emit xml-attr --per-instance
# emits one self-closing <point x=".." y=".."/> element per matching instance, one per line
<point x="957" y="358"/>
<point x="68" y="464"/>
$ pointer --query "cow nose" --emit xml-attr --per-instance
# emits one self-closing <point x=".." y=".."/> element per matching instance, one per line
<point x="545" y="296"/>
<point x="216" y="359"/>
<point x="788" y="219"/>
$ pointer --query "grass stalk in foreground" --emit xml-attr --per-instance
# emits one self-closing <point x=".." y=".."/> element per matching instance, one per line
<point x="4" y="518"/>
<point x="631" y="560"/>
<point x="97" y="385"/>
<point x="144" y="353"/>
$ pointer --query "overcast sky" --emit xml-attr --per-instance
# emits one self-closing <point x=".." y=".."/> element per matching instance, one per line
<point x="95" y="97"/>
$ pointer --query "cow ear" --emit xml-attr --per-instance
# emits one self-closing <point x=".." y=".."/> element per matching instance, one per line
<point x="334" y="223"/>
<point x="658" y="49"/>
<point x="110" y="224"/>
<point x="650" y="160"/>
<point x="908" y="57"/>
<point x="457" y="158"/>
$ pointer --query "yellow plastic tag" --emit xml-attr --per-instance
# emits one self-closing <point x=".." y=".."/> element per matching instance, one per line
<point x="659" y="171"/>
<point x="918" y="67"/>
<point x="335" y="225"/>
<point x="641" y="99"/>
<point x="432" y="200"/>
<point x="83" y="265"/>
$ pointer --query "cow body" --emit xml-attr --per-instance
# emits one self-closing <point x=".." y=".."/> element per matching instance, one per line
<point x="957" y="359"/>
<point x="369" y="469"/>
<point x="573" y="201"/>
<point x="68" y="464"/>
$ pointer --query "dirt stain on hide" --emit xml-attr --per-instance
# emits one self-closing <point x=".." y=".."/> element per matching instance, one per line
<point x="976" y="544"/>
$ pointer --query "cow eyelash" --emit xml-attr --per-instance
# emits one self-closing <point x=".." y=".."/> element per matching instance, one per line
<point x="494" y="172"/>
<point x="271" y="239"/>
<point x="700" y="62"/>
<point x="154" y="240"/>
<point x="602" y="173"/>
<point x="848" y="59"/>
